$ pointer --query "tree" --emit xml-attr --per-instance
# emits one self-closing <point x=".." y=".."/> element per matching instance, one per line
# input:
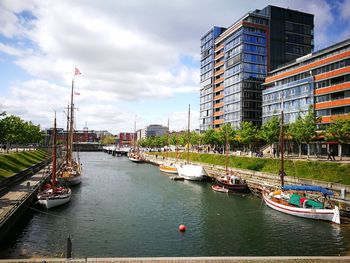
<point x="339" y="131"/>
<point x="211" y="137"/>
<point x="31" y="133"/>
<point x="108" y="140"/>
<point x="303" y="130"/>
<point x="247" y="134"/>
<point x="13" y="130"/>
<point x="195" y="138"/>
<point x="226" y="133"/>
<point x="270" y="131"/>
<point x="173" y="139"/>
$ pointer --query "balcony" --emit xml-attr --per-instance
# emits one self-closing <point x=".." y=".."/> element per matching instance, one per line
<point x="219" y="121"/>
<point x="219" y="80"/>
<point x="332" y="104"/>
<point x="219" y="88"/>
<point x="219" y="97"/>
<point x="218" y="113"/>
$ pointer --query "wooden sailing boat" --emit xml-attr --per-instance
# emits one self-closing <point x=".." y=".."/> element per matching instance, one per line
<point x="189" y="171"/>
<point x="134" y="154"/>
<point x="229" y="181"/>
<point x="300" y="200"/>
<point x="53" y="196"/>
<point x="72" y="171"/>
<point x="168" y="167"/>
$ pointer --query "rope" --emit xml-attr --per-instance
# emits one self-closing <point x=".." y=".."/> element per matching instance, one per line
<point x="46" y="213"/>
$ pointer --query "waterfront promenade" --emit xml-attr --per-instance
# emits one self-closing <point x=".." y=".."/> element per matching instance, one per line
<point x="17" y="197"/>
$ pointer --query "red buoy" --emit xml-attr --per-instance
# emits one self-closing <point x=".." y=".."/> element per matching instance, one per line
<point x="182" y="228"/>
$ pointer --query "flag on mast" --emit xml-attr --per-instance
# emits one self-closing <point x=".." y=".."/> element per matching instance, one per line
<point x="77" y="72"/>
<point x="76" y="93"/>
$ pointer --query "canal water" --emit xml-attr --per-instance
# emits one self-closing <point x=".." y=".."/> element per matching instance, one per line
<point x="123" y="209"/>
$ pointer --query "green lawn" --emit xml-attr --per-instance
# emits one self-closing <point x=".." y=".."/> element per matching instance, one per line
<point x="324" y="171"/>
<point x="15" y="162"/>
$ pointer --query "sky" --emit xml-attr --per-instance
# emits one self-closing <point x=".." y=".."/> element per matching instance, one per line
<point x="140" y="60"/>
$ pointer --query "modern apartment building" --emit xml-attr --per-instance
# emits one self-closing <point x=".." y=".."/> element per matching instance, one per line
<point x="320" y="79"/>
<point x="154" y="130"/>
<point x="235" y="61"/>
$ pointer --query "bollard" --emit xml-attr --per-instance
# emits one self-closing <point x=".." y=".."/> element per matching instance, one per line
<point x="69" y="248"/>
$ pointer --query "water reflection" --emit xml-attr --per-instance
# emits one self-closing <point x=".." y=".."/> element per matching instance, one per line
<point x="123" y="209"/>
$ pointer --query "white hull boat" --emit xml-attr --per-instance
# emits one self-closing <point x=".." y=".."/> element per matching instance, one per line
<point x="191" y="172"/>
<point x="73" y="180"/>
<point x="50" y="200"/>
<point x="332" y="215"/>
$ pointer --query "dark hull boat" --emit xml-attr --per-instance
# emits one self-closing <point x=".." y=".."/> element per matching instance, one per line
<point x="233" y="184"/>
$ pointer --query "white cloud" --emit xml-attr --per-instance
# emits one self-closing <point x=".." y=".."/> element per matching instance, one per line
<point x="127" y="51"/>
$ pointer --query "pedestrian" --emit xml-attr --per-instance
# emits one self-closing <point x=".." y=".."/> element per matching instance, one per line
<point x="329" y="157"/>
<point x="333" y="155"/>
<point x="274" y="153"/>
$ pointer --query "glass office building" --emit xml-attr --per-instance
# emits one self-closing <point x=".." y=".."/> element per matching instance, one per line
<point x="234" y="64"/>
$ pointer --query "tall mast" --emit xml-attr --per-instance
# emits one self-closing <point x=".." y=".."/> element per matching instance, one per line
<point x="67" y="137"/>
<point x="134" y="139"/>
<point x="188" y="134"/>
<point x="53" y="175"/>
<point x="167" y="141"/>
<point x="226" y="151"/>
<point x="282" y="173"/>
<point x="71" y="124"/>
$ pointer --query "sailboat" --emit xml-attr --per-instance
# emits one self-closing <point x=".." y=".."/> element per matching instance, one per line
<point x="53" y="196"/>
<point x="189" y="171"/>
<point x="134" y="154"/>
<point x="232" y="183"/>
<point x="72" y="171"/>
<point x="300" y="200"/>
<point x="168" y="167"/>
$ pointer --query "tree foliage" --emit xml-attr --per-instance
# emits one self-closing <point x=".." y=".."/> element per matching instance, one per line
<point x="13" y="130"/>
<point x="247" y="134"/>
<point x="270" y="130"/>
<point x="339" y="131"/>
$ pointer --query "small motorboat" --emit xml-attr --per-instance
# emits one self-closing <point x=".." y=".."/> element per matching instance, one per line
<point x="219" y="188"/>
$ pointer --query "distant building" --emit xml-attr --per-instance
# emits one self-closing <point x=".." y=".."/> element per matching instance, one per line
<point x="140" y="134"/>
<point x="78" y="135"/>
<point x="103" y="133"/>
<point x="154" y="130"/>
<point x="125" y="139"/>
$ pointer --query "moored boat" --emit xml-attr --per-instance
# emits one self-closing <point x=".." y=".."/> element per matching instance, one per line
<point x="136" y="158"/>
<point x="233" y="183"/>
<point x="71" y="170"/>
<point x="192" y="172"/>
<point x="230" y="181"/>
<point x="293" y="203"/>
<point x="50" y="198"/>
<point x="168" y="168"/>
<point x="52" y="195"/>
<point x="219" y="188"/>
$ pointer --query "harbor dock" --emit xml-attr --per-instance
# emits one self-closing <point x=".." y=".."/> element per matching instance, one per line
<point x="19" y="195"/>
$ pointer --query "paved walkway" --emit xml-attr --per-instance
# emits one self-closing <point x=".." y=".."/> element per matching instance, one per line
<point x="18" y="193"/>
<point x="193" y="260"/>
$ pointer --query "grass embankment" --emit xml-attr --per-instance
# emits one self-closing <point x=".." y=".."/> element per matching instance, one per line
<point x="315" y="170"/>
<point x="15" y="162"/>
